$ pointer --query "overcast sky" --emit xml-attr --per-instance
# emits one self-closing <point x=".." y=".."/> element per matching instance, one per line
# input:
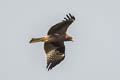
<point x="95" y="54"/>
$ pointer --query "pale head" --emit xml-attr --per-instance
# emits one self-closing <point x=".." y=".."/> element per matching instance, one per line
<point x="68" y="38"/>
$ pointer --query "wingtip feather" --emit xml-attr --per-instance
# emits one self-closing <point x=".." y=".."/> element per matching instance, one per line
<point x="69" y="17"/>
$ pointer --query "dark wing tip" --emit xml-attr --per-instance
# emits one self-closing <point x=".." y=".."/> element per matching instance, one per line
<point x="69" y="17"/>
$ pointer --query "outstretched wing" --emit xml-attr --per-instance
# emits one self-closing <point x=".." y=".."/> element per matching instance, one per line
<point x="55" y="53"/>
<point x="62" y="26"/>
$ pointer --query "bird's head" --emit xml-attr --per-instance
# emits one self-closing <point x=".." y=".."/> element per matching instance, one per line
<point x="68" y="38"/>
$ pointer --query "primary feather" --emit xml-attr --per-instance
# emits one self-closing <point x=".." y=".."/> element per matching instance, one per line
<point x="61" y="27"/>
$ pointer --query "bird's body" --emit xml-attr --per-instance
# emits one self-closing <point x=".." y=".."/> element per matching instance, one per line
<point x="54" y="42"/>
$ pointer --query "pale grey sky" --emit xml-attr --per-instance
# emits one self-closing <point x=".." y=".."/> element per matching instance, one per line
<point x="95" y="54"/>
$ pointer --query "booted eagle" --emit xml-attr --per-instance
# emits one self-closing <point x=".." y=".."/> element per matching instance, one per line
<point x="54" y="41"/>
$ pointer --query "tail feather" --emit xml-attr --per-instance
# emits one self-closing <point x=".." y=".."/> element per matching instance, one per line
<point x="42" y="39"/>
<point x="34" y="40"/>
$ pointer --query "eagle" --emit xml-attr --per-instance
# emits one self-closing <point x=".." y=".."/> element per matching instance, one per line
<point x="54" y="41"/>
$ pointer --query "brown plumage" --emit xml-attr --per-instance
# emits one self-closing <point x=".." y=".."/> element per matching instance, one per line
<point x="54" y="41"/>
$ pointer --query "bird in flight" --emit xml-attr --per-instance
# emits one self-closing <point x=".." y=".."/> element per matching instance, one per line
<point x="54" y="41"/>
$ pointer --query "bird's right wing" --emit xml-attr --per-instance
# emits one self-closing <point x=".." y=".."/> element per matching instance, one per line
<point x="55" y="53"/>
<point x="61" y="27"/>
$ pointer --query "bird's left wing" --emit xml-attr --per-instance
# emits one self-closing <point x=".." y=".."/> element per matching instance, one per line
<point x="61" y="27"/>
<point x="55" y="53"/>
